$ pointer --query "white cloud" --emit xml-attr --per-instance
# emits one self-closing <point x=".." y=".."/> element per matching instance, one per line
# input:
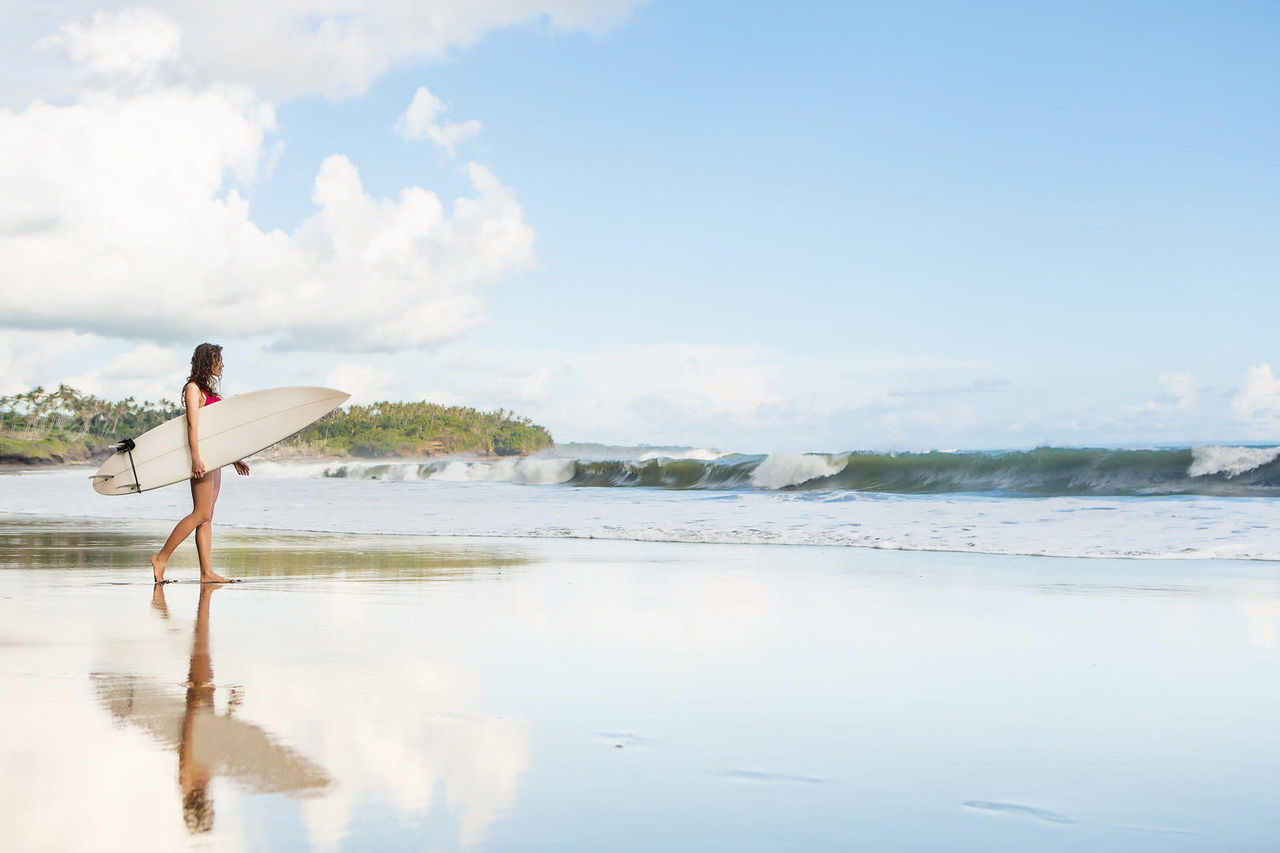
<point x="1181" y="387"/>
<point x="147" y="372"/>
<point x="706" y="380"/>
<point x="124" y="209"/>
<point x="365" y="383"/>
<point x="145" y="362"/>
<point x="936" y="418"/>
<point x="1178" y="393"/>
<point x="735" y="397"/>
<point x="533" y="386"/>
<point x="25" y="356"/>
<point x="133" y="43"/>
<point x="118" y="219"/>
<point x="419" y="121"/>
<point x="291" y="48"/>
<point x="1258" y="400"/>
<point x="653" y="392"/>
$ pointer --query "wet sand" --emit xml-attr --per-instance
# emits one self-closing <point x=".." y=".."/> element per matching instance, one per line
<point x="397" y="692"/>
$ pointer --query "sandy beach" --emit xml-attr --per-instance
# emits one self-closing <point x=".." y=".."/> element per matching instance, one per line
<point x="401" y="692"/>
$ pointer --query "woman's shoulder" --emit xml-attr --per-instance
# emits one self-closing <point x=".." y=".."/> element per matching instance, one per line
<point x="193" y="388"/>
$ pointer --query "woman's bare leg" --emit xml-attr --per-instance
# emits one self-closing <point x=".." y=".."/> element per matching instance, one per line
<point x="204" y="492"/>
<point x="204" y="536"/>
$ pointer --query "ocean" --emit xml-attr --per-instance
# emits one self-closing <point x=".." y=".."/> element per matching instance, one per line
<point x="1204" y="502"/>
<point x="467" y="655"/>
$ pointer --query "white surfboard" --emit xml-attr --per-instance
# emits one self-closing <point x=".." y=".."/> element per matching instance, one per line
<point x="230" y="429"/>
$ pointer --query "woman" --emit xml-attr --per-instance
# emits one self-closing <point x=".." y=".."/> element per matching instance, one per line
<point x="200" y="391"/>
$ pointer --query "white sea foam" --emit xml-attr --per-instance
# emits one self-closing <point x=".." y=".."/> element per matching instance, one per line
<point x="1168" y="527"/>
<point x="455" y="472"/>
<point x="543" y="472"/>
<point x="529" y="471"/>
<point x="692" y="453"/>
<point x="781" y="470"/>
<point x="360" y="470"/>
<point x="372" y="470"/>
<point x="1232" y="461"/>
<point x="290" y="470"/>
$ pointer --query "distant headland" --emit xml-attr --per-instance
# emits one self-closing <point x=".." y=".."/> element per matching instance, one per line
<point x="64" y="425"/>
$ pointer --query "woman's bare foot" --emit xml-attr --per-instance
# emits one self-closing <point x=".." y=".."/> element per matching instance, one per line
<point x="214" y="577"/>
<point x="157" y="567"/>
<point x="158" y="602"/>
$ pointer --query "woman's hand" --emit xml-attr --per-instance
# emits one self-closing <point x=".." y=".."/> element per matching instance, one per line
<point x="197" y="468"/>
<point x="241" y="468"/>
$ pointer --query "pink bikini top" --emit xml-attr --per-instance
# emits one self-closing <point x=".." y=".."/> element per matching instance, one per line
<point x="208" y="398"/>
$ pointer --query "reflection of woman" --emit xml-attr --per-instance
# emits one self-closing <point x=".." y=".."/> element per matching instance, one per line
<point x="207" y="742"/>
<point x="200" y="391"/>
<point x="194" y="770"/>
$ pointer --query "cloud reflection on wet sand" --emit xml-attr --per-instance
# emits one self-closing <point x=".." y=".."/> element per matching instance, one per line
<point x="280" y="696"/>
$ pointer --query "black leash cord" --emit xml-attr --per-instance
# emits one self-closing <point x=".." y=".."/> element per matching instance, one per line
<point x="137" y="484"/>
<point x="127" y="446"/>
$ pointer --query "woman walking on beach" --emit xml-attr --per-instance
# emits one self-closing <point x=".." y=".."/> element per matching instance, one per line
<point x="200" y="391"/>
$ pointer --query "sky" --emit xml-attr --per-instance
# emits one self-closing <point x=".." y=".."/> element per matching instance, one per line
<point x="750" y="226"/>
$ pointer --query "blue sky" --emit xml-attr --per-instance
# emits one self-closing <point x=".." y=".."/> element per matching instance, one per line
<point x="755" y="226"/>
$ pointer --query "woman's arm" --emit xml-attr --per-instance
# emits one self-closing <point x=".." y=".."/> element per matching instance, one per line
<point x="195" y="399"/>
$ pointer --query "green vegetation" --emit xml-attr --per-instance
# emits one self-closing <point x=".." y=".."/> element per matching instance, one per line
<point x="54" y="448"/>
<point x="65" y="411"/>
<point x="421" y="429"/>
<point x="65" y="425"/>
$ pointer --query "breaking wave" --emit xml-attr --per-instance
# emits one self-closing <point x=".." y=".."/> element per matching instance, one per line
<point x="1046" y="471"/>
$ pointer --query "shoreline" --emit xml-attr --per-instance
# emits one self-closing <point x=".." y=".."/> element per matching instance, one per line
<point x="160" y="524"/>
<point x="1088" y="574"/>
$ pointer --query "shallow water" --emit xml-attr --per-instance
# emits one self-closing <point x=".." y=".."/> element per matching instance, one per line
<point x="1161" y="527"/>
<point x="398" y="692"/>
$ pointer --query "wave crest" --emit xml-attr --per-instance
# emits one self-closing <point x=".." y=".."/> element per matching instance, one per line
<point x="1231" y="461"/>
<point x="782" y="470"/>
<point x="1044" y="472"/>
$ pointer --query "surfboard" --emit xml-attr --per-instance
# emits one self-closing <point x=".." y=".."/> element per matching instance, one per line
<point x="230" y="429"/>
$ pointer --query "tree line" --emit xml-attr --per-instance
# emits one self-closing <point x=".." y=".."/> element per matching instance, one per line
<point x="64" y="414"/>
<point x="41" y="413"/>
<point x="422" y="429"/>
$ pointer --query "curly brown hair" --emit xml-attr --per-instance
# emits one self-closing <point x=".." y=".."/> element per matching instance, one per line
<point x="203" y="361"/>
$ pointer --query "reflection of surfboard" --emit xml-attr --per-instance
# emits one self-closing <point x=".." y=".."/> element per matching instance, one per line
<point x="229" y="430"/>
<point x="234" y="748"/>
